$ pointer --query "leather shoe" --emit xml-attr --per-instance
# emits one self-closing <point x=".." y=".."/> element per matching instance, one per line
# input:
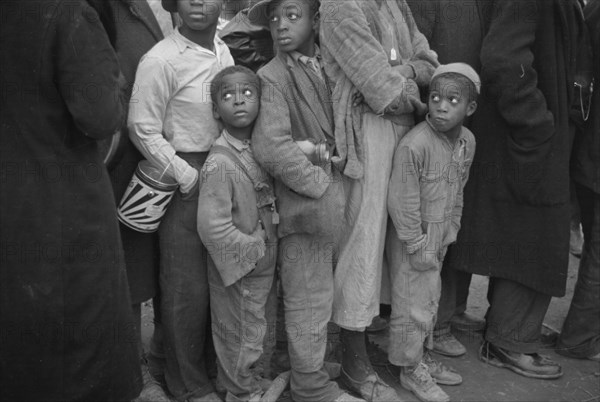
<point x="467" y="322"/>
<point x="371" y="389"/>
<point x="529" y="365"/>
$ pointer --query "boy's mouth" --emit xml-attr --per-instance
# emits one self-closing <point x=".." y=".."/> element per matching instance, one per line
<point x="284" y="41"/>
<point x="240" y="113"/>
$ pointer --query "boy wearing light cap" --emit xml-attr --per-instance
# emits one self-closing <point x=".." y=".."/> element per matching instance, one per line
<point x="425" y="200"/>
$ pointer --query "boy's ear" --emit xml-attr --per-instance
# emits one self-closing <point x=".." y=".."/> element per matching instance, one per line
<point x="316" y="22"/>
<point x="216" y="114"/>
<point x="471" y="108"/>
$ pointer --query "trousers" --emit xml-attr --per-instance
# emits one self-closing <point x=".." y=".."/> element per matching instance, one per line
<point x="580" y="335"/>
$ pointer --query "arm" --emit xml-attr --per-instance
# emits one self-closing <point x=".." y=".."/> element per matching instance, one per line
<point x="404" y="196"/>
<point x="348" y="38"/>
<point x="156" y="82"/>
<point x="510" y="79"/>
<point x="275" y="149"/>
<point x="424" y="60"/>
<point x="234" y="253"/>
<point x="87" y="73"/>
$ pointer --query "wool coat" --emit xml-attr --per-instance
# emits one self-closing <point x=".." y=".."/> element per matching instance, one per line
<point x="68" y="329"/>
<point x="516" y="216"/>
<point x="453" y="28"/>
<point x="136" y="31"/>
<point x="586" y="151"/>
<point x="296" y="106"/>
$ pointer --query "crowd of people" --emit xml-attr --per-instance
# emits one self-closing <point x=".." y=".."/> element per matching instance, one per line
<point x="363" y="152"/>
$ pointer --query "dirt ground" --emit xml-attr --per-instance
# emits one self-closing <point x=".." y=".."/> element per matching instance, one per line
<point x="580" y="382"/>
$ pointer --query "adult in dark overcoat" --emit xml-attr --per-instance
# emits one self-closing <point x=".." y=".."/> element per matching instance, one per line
<point x="65" y="310"/>
<point x="515" y="225"/>
<point x="580" y="335"/>
<point x="455" y="30"/>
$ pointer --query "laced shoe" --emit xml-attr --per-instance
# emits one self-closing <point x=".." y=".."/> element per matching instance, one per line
<point x="418" y="380"/>
<point x="447" y="345"/>
<point x="441" y="373"/>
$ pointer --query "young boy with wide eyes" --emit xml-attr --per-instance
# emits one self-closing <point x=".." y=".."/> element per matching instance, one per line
<point x="295" y="119"/>
<point x="425" y="200"/>
<point x="235" y="222"/>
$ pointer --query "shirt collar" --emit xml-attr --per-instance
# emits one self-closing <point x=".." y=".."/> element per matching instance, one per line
<point x="299" y="57"/>
<point x="238" y="145"/>
<point x="184" y="43"/>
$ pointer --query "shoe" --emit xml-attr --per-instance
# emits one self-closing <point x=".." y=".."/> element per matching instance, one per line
<point x="345" y="397"/>
<point x="378" y="324"/>
<point x="447" y="345"/>
<point x="594" y="358"/>
<point x="467" y="322"/>
<point x="377" y="356"/>
<point x="418" y="381"/>
<point x="333" y="369"/>
<point x="212" y="397"/>
<point x="371" y="389"/>
<point x="152" y="390"/>
<point x="439" y="372"/>
<point x="529" y="365"/>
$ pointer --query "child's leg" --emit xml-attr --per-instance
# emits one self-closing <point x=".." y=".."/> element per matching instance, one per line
<point x="306" y="264"/>
<point x="239" y="327"/>
<point x="415" y="297"/>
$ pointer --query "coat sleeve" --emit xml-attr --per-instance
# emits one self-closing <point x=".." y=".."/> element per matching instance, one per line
<point x="233" y="252"/>
<point x="404" y="195"/>
<point x="87" y="72"/>
<point x="275" y="149"/>
<point x="348" y="38"/>
<point x="510" y="79"/>
<point x="424" y="60"/>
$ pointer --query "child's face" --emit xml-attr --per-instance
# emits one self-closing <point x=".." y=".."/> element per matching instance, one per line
<point x="449" y="104"/>
<point x="199" y="15"/>
<point x="293" y="25"/>
<point x="237" y="101"/>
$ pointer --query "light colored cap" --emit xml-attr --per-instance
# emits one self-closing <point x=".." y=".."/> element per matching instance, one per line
<point x="462" y="69"/>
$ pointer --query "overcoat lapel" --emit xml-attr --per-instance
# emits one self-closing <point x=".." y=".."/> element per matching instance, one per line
<point x="141" y="10"/>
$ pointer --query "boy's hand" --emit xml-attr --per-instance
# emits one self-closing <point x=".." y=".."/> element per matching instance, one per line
<point x="424" y="259"/>
<point x="193" y="193"/>
<point x="259" y="232"/>
<point x="308" y="148"/>
<point x="357" y="98"/>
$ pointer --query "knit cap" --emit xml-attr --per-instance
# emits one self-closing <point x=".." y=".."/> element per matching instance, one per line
<point x="462" y="69"/>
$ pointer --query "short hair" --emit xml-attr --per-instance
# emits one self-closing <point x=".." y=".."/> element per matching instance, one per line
<point x="217" y="82"/>
<point x="463" y="81"/>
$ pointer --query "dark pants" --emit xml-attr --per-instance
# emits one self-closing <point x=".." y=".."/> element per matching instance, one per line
<point x="580" y="335"/>
<point x="515" y="316"/>
<point x="453" y="301"/>
<point x="184" y="291"/>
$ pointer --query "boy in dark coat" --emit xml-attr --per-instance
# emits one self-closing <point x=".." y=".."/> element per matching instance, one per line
<point x="296" y="107"/>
